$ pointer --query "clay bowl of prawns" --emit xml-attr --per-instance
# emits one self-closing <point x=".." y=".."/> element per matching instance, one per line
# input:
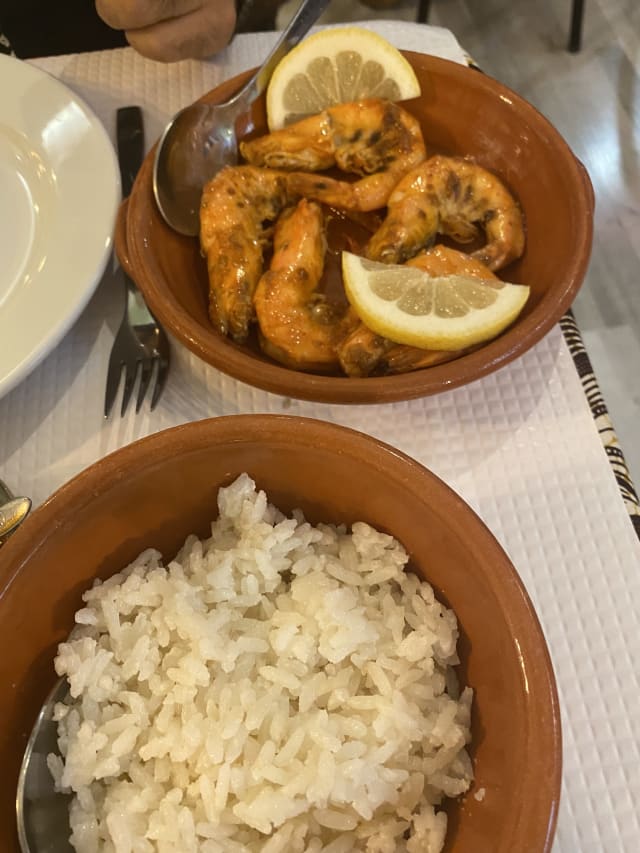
<point x="503" y="176"/>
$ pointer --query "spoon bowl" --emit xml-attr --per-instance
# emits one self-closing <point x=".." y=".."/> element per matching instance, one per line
<point x="201" y="139"/>
<point x="197" y="144"/>
<point x="42" y="813"/>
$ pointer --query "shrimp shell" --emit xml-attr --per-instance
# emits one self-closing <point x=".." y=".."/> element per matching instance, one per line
<point x="449" y="195"/>
<point x="374" y="138"/>
<point x="299" y="327"/>
<point x="363" y="352"/>
<point x="236" y="209"/>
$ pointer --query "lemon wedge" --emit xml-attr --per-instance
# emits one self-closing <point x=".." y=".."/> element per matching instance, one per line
<point x="335" y="66"/>
<point x="408" y="306"/>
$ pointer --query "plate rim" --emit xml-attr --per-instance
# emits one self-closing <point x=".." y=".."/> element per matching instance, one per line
<point x="13" y="372"/>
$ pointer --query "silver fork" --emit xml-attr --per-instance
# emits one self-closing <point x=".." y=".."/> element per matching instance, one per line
<point x="141" y="345"/>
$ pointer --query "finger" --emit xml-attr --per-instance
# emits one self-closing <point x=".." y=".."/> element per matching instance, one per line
<point x="134" y="14"/>
<point x="196" y="35"/>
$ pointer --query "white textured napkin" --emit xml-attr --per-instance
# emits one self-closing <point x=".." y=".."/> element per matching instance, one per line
<point x="519" y="446"/>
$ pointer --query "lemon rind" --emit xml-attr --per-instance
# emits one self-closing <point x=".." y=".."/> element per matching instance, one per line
<point x="336" y="40"/>
<point x="446" y="334"/>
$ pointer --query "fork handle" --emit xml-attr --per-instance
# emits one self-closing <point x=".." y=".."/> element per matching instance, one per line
<point x="130" y="141"/>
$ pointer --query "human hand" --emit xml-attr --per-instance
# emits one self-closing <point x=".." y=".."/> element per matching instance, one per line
<point x="169" y="30"/>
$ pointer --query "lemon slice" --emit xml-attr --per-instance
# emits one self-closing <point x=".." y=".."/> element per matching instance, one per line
<point x="335" y="66"/>
<point x="408" y="306"/>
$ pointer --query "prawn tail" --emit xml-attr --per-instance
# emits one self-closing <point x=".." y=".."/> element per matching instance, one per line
<point x="218" y="321"/>
<point x="231" y="291"/>
<point x="239" y="324"/>
<point x="332" y="192"/>
<point x="495" y="255"/>
<point x="459" y="229"/>
<point x="403" y="359"/>
<point x="394" y="247"/>
<point x="361" y="350"/>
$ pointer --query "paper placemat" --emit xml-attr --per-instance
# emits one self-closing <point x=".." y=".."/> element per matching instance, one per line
<point x="520" y="446"/>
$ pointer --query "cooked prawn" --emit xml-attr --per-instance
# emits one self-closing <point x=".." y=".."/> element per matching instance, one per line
<point x="236" y="208"/>
<point x="299" y="327"/>
<point x="373" y="137"/>
<point x="364" y="352"/>
<point x="449" y="195"/>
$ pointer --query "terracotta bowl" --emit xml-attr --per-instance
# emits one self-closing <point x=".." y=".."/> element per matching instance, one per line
<point x="463" y="112"/>
<point x="159" y="489"/>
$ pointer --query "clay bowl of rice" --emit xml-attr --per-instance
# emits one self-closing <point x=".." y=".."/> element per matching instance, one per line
<point x="462" y="113"/>
<point x="278" y="635"/>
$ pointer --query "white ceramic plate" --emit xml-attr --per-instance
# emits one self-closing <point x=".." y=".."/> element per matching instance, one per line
<point x="59" y="193"/>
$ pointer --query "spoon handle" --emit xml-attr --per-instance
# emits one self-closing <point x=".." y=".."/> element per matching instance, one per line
<point x="308" y="13"/>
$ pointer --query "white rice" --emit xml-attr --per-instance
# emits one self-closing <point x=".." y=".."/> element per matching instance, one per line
<point x="276" y="687"/>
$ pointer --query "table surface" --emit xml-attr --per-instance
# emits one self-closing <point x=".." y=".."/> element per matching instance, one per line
<point x="520" y="446"/>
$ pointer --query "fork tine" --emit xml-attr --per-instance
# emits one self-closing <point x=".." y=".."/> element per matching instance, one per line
<point x="129" y="381"/>
<point x="161" y="380"/>
<point x="114" y="372"/>
<point x="146" y="369"/>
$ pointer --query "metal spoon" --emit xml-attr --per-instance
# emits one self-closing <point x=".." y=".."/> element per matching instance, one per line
<point x="13" y="511"/>
<point x="42" y="813"/>
<point x="201" y="138"/>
